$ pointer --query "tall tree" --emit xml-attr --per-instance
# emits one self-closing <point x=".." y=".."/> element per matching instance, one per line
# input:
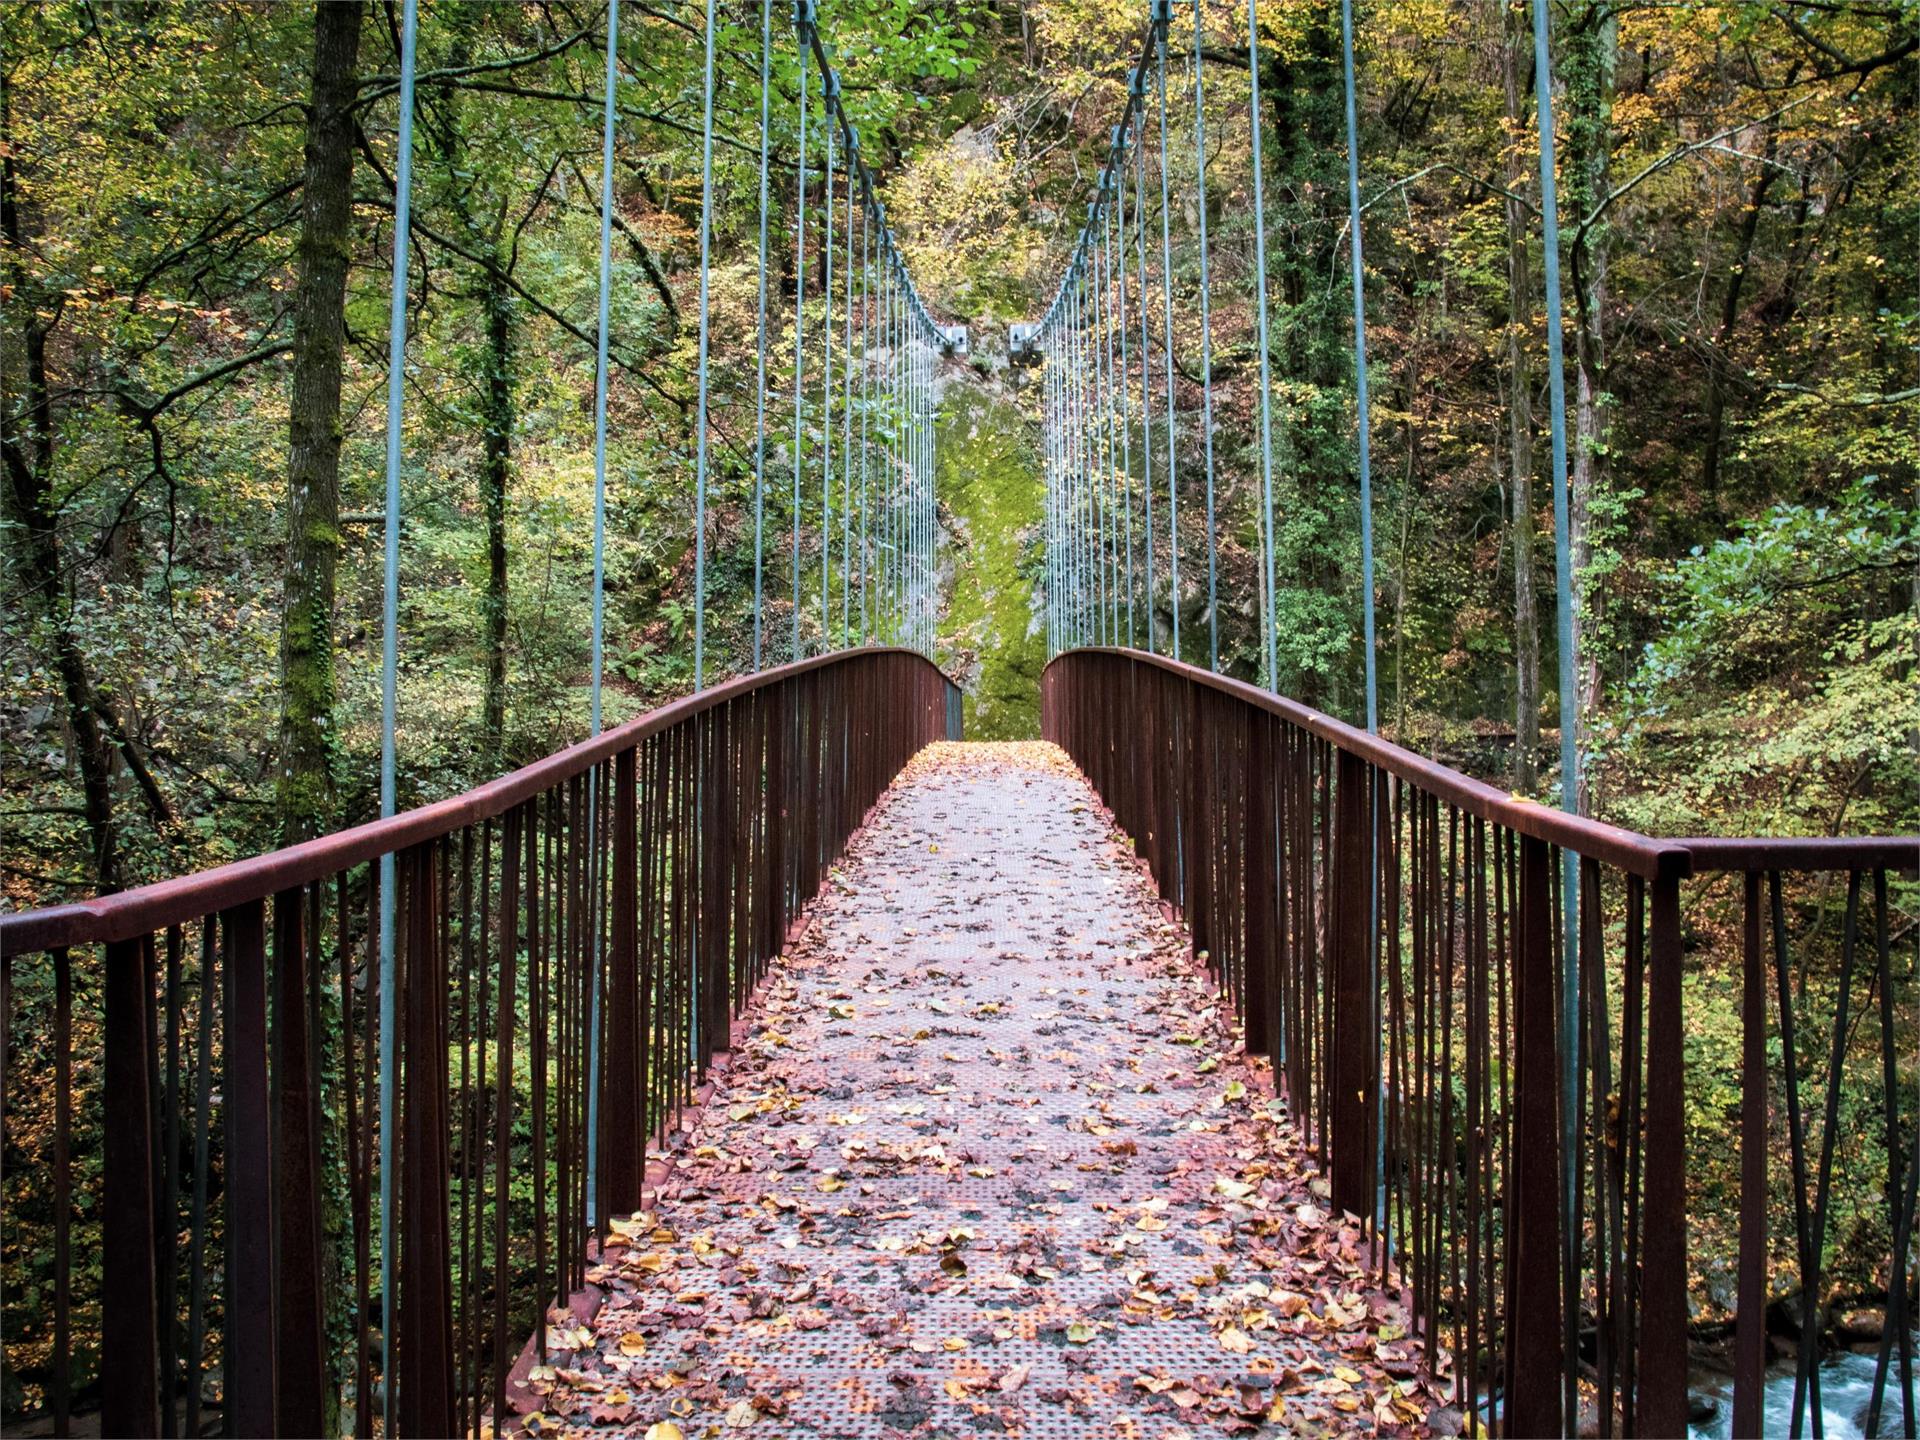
<point x="305" y="781"/>
<point x="1316" y="547"/>
<point x="1515" y="48"/>
<point x="479" y="200"/>
<point x="496" y="469"/>
<point x="1589" y="56"/>
<point x="27" y="439"/>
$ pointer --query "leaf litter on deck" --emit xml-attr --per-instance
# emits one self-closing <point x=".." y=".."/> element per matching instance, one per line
<point x="989" y="1163"/>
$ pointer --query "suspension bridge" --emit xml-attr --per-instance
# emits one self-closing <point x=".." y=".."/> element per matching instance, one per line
<point x="777" y="1060"/>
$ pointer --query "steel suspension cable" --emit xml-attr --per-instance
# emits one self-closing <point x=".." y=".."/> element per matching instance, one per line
<point x="1057" y="367"/>
<point x="829" y="94"/>
<point x="1117" y="221"/>
<point x="760" y="346"/>
<point x="889" y="450"/>
<point x="1163" y="13"/>
<point x="1146" y="348"/>
<point x="1569" y="691"/>
<point x="1095" y="595"/>
<point x="600" y="377"/>
<point x="866" y="418"/>
<point x="1090" y="625"/>
<point x="1363" y="428"/>
<point x="926" y="493"/>
<point x="1103" y="377"/>
<point x="706" y="326"/>
<point x="846" y="414"/>
<point x="1096" y="462"/>
<point x="1051" y="434"/>
<point x="1267" y="618"/>
<point x="1070" y="536"/>
<point x="390" y="653"/>
<point x="1076" y="468"/>
<point x="896" y="466"/>
<point x="1363" y="421"/>
<point x="803" y="13"/>
<point x="1206" y="330"/>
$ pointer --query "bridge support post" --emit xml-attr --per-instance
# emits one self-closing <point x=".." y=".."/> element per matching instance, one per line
<point x="422" y="1368"/>
<point x="1661" y="1404"/>
<point x="252" y="1370"/>
<point x="622" y="1085"/>
<point x="130" y="1400"/>
<point x="715" y="852"/>
<point x="1353" y="1059"/>
<point x="301" y="1400"/>
<point x="1534" y="1200"/>
<point x="1261" y="880"/>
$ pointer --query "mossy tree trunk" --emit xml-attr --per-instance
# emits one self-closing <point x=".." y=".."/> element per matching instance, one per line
<point x="1589" y="55"/>
<point x="496" y="469"/>
<point x="305" y="784"/>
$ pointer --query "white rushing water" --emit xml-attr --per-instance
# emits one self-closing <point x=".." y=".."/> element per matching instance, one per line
<point x="1846" y="1390"/>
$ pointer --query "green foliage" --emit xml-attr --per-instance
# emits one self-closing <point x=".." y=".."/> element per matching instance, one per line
<point x="1742" y="722"/>
<point x="1799" y="565"/>
<point x="992" y="498"/>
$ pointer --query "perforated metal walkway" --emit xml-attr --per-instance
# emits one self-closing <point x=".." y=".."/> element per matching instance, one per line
<point x="988" y="1163"/>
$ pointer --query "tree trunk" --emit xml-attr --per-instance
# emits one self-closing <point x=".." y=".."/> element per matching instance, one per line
<point x="1720" y="362"/>
<point x="305" y="789"/>
<point x="1590" y="60"/>
<point x="27" y="443"/>
<point x="1516" y="50"/>
<point x="496" y="469"/>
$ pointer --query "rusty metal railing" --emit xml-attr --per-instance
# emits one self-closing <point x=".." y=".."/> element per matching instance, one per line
<point x="211" y="1042"/>
<point x="1390" y="933"/>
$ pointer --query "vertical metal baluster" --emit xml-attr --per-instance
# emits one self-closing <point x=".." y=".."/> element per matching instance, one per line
<point x="1591" y="966"/>
<point x="1900" y="1198"/>
<point x="1632" y="1029"/>
<point x="250" y="1372"/>
<point x="465" y="1420"/>
<point x="62" y="1192"/>
<point x="489" y="959"/>
<point x="129" y="1393"/>
<point x="511" y="850"/>
<point x="1750" y="1335"/>
<point x="197" y="1265"/>
<point x="166" y="1230"/>
<point x="299" y="1312"/>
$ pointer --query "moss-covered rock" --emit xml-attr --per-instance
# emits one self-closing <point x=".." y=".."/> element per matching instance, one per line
<point x="990" y="493"/>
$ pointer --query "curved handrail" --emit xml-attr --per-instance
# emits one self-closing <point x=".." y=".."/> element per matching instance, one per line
<point x="147" y="908"/>
<point x="1629" y="850"/>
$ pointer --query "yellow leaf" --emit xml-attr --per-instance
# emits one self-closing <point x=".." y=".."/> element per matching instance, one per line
<point x="633" y="1343"/>
<point x="1235" y="1339"/>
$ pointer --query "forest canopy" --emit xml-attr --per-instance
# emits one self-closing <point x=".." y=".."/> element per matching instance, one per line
<point x="198" y="249"/>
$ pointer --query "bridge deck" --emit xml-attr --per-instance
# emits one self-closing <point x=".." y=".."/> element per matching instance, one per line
<point x="988" y="1163"/>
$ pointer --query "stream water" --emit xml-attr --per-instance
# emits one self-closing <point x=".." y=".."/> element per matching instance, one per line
<point x="1846" y="1390"/>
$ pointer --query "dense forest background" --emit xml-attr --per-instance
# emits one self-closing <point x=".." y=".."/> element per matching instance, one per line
<point x="196" y="247"/>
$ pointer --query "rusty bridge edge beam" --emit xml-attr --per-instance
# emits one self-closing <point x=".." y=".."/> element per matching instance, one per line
<point x="146" y="909"/>
<point x="1647" y="856"/>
